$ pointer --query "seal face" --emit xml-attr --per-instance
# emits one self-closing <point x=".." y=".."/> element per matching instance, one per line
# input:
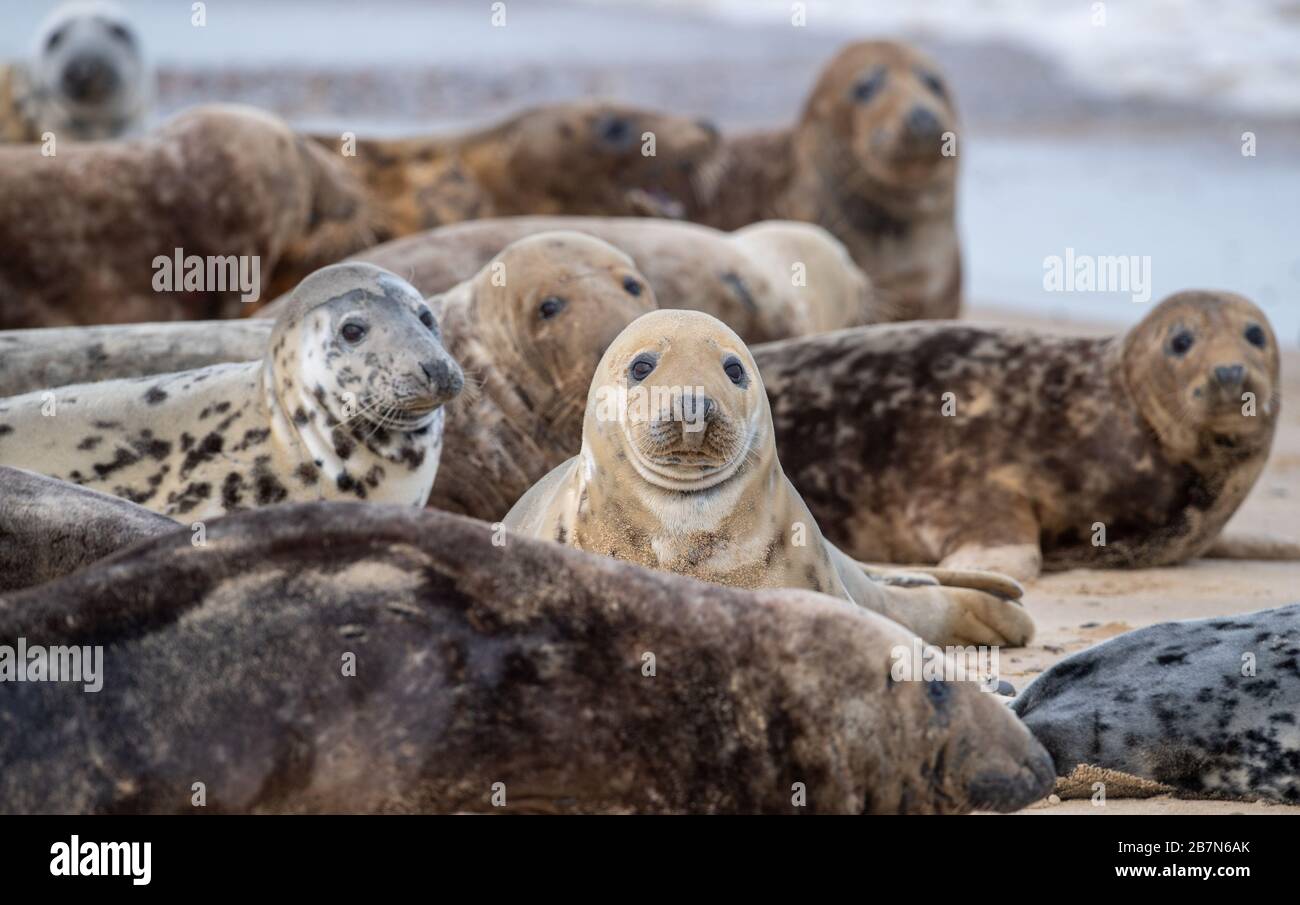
<point x="489" y="664"/>
<point x="529" y="329"/>
<point x="1208" y="707"/>
<point x="873" y="160"/>
<point x="346" y="404"/>
<point x="1004" y="449"/>
<point x="678" y="471"/>
<point x="87" y="77"/>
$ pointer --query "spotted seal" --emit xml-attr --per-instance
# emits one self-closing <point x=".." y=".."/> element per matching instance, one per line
<point x="1011" y="450"/>
<point x="1205" y="707"/>
<point x="347" y="402"/>
<point x="872" y="159"/>
<point x="231" y="191"/>
<point x="87" y="78"/>
<point x="379" y="658"/>
<point x="678" y="471"/>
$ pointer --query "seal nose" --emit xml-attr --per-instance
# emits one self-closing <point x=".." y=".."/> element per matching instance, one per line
<point x="1229" y="376"/>
<point x="922" y="124"/>
<point x="89" y="77"/>
<point x="445" y="378"/>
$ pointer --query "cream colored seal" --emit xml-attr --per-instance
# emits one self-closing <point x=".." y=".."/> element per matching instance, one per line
<point x="346" y="404"/>
<point x="678" y="471"/>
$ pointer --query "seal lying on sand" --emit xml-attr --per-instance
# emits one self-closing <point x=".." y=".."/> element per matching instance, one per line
<point x="346" y="402"/>
<point x="49" y="528"/>
<point x="872" y="159"/>
<point x="767" y="281"/>
<point x="678" y="471"/>
<point x="1208" y="707"/>
<point x="381" y="659"/>
<point x="580" y="158"/>
<point x="1003" y="449"/>
<point x="92" y="234"/>
<point x="87" y="78"/>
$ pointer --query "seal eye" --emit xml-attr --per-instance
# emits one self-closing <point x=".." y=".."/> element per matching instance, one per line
<point x="1255" y="336"/>
<point x="55" y="40"/>
<point x="120" y="33"/>
<point x="933" y="82"/>
<point x="426" y="318"/>
<point x="632" y="286"/>
<point x="551" y="306"/>
<point x="735" y="370"/>
<point x="938" y="692"/>
<point x="353" y="332"/>
<point x="866" y="88"/>
<point x="641" y="367"/>
<point x="1181" y="343"/>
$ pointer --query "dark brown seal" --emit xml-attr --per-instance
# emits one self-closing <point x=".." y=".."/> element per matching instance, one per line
<point x="580" y="158"/>
<point x="81" y="229"/>
<point x="998" y="449"/>
<point x="872" y="159"/>
<point x="520" y="672"/>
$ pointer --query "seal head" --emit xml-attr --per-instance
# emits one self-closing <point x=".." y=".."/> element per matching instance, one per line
<point x="879" y="114"/>
<point x="89" y="65"/>
<point x="1202" y="368"/>
<point x="364" y="345"/>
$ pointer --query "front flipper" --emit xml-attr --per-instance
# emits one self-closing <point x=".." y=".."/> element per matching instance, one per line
<point x="944" y="607"/>
<point x="918" y="576"/>
<point x="1252" y="546"/>
<point x="1022" y="562"/>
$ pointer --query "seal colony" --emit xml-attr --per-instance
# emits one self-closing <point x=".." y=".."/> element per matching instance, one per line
<point x="678" y="471"/>
<point x="346" y="403"/>
<point x="578" y="158"/>
<point x="872" y="159"/>
<point x="766" y="281"/>
<point x="1206" y="707"/>
<point x="476" y="665"/>
<point x="87" y="78"/>
<point x="226" y="185"/>
<point x="1007" y="450"/>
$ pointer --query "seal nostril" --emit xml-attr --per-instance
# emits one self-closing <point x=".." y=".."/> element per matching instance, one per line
<point x="1229" y="375"/>
<point x="922" y="122"/>
<point x="428" y="371"/>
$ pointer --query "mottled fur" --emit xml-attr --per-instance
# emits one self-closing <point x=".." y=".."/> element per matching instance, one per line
<point x="318" y="417"/>
<point x="1209" y="707"/>
<point x="475" y="665"/>
<point x="1050" y="435"/>
<point x="579" y="158"/>
<point x="691" y="484"/>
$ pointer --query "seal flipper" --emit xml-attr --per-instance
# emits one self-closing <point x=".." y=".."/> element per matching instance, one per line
<point x="1252" y="546"/>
